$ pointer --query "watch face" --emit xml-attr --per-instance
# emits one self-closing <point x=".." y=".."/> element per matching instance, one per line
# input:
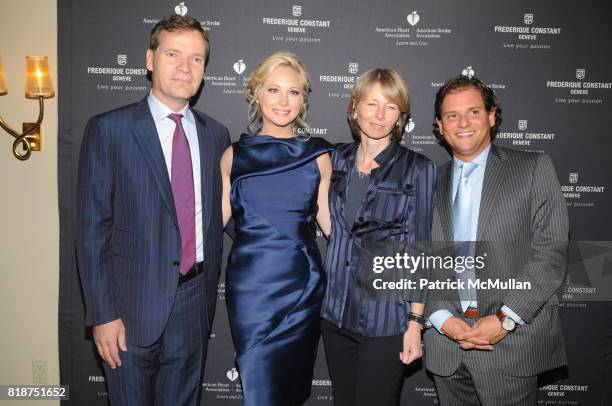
<point x="508" y="324"/>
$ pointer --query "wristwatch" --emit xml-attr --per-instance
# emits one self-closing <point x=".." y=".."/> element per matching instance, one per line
<point x="507" y="322"/>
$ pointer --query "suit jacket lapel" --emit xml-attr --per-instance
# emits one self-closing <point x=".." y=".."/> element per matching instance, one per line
<point x="445" y="200"/>
<point x="206" y="170"/>
<point x="494" y="177"/>
<point x="146" y="136"/>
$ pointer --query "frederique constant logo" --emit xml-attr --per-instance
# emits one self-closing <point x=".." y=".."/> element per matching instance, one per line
<point x="232" y="374"/>
<point x="353" y="67"/>
<point x="239" y="66"/>
<point x="413" y="18"/>
<point x="522" y="125"/>
<point x="181" y="9"/>
<point x="573" y="177"/>
<point x="580" y="73"/>
<point x="528" y="18"/>
<point x="121" y="59"/>
<point x="297" y="11"/>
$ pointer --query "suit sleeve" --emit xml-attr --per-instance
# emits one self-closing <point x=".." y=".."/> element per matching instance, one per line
<point x="545" y="270"/>
<point x="94" y="224"/>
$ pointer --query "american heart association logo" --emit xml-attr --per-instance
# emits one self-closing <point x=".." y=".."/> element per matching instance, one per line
<point x="239" y="67"/>
<point x="413" y="18"/>
<point x="469" y="72"/>
<point x="232" y="374"/>
<point x="409" y="126"/>
<point x="181" y="9"/>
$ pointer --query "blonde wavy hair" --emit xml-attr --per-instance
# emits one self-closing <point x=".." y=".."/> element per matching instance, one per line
<point x="259" y="76"/>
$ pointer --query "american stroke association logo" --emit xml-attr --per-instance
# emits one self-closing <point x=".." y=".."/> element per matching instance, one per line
<point x="469" y="72"/>
<point x="527" y="36"/>
<point x="119" y="77"/>
<point x="522" y="137"/>
<point x="232" y="82"/>
<point x="298" y="30"/>
<point x="409" y="35"/>
<point x="580" y="90"/>
<point x="181" y="9"/>
<point x="578" y="194"/>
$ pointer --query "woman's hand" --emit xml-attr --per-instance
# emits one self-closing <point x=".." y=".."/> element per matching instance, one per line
<point x="412" y="348"/>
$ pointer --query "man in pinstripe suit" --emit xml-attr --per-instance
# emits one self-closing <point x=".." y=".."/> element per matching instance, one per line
<point x="487" y="347"/>
<point x="149" y="230"/>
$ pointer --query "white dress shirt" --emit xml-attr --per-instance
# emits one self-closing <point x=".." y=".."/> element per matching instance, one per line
<point x="165" y="130"/>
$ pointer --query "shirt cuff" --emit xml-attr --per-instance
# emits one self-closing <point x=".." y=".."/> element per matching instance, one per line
<point x="512" y="315"/>
<point x="438" y="318"/>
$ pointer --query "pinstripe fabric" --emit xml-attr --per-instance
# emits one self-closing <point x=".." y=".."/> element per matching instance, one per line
<point x="397" y="207"/>
<point x="169" y="371"/>
<point x="128" y="243"/>
<point x="478" y="387"/>
<point x="523" y="207"/>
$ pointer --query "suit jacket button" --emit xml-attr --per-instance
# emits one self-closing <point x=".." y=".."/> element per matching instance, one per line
<point x="176" y="263"/>
<point x="360" y="218"/>
<point x="347" y="263"/>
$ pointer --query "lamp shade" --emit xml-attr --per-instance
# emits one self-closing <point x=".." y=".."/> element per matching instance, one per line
<point x="3" y="89"/>
<point x="38" y="78"/>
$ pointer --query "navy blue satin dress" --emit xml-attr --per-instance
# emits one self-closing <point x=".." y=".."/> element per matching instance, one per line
<point x="275" y="282"/>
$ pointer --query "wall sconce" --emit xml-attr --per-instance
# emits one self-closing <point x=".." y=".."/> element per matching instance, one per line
<point x="38" y="86"/>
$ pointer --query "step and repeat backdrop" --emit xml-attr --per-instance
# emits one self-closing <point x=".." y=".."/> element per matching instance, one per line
<point x="548" y="61"/>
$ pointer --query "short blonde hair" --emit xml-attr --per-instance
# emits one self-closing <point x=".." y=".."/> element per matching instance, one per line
<point x="259" y="76"/>
<point x="393" y="88"/>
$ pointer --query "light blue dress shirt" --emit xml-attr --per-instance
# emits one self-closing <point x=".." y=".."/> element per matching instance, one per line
<point x="476" y="181"/>
<point x="165" y="130"/>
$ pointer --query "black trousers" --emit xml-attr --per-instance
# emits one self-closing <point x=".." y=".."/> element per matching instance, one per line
<point x="365" y="371"/>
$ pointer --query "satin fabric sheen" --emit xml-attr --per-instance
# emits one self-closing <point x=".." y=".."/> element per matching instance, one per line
<point x="275" y="282"/>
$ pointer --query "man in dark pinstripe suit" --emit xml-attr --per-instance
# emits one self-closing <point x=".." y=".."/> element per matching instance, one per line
<point x="149" y="227"/>
<point x="487" y="346"/>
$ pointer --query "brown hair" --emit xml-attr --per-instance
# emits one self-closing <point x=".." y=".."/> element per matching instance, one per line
<point x="177" y="23"/>
<point x="463" y="82"/>
<point x="393" y="89"/>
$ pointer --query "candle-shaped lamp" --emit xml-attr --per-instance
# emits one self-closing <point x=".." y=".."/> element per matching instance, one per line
<point x="38" y="78"/>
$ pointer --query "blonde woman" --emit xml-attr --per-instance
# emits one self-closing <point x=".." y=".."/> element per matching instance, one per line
<point x="381" y="192"/>
<point x="275" y="186"/>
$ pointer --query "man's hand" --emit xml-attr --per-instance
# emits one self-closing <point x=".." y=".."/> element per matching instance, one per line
<point x="487" y="329"/>
<point x="455" y="329"/>
<point x="412" y="349"/>
<point x="108" y="338"/>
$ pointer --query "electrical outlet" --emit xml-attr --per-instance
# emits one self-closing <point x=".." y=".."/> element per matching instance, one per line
<point x="40" y="373"/>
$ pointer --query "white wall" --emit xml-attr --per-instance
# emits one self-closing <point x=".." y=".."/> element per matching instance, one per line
<point x="29" y="229"/>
